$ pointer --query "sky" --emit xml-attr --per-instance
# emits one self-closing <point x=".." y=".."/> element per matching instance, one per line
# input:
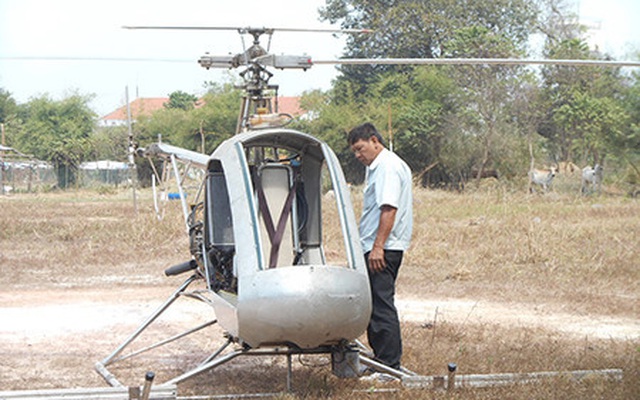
<point x="93" y="29"/>
<point x="32" y="32"/>
<point x="613" y="24"/>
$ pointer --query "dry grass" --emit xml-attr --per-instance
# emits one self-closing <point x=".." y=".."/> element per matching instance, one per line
<point x="568" y="253"/>
<point x="85" y="239"/>
<point x="580" y="253"/>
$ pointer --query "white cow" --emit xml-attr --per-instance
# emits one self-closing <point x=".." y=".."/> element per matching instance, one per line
<point x="591" y="177"/>
<point x="541" y="177"/>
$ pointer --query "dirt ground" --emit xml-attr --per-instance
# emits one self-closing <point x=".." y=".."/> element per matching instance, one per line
<point x="53" y="338"/>
<point x="78" y="277"/>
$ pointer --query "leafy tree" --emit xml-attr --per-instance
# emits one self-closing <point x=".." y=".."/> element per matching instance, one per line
<point x="198" y="129"/>
<point x="332" y="122"/>
<point x="581" y="105"/>
<point x="181" y="100"/>
<point x="420" y="104"/>
<point x="631" y="102"/>
<point x="418" y="29"/>
<point x="557" y="22"/>
<point x="485" y="103"/>
<point x="471" y="115"/>
<point x="579" y="119"/>
<point x="8" y="106"/>
<point x="409" y="110"/>
<point x="8" y="115"/>
<point x="58" y="132"/>
<point x="110" y="143"/>
<point x="626" y="144"/>
<point x="218" y="117"/>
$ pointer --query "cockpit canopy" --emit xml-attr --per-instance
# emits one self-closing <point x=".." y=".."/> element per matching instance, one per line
<point x="285" y="195"/>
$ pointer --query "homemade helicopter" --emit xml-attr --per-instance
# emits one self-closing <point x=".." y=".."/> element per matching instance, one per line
<point x="256" y="240"/>
<point x="255" y="228"/>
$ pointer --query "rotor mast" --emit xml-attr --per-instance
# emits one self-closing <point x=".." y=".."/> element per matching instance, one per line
<point x="257" y="105"/>
<point x="257" y="109"/>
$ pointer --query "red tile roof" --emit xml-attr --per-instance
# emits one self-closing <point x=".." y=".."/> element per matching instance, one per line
<point x="290" y="105"/>
<point x="140" y="106"/>
<point x="146" y="106"/>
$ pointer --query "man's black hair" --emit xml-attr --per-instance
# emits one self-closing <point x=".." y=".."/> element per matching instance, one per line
<point x="364" y="132"/>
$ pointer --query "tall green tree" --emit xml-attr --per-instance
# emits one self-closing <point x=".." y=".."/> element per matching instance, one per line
<point x="181" y="100"/>
<point x="57" y="131"/>
<point x="417" y="109"/>
<point x="471" y="118"/>
<point x="595" y="123"/>
<point x="583" y="107"/>
<point x="198" y="129"/>
<point x="8" y="115"/>
<point x="627" y="144"/>
<point x="583" y="104"/>
<point x="8" y="106"/>
<point x="419" y="29"/>
<point x="486" y="100"/>
<point x="110" y="143"/>
<point x="409" y="110"/>
<point x="631" y="102"/>
<point x="331" y="122"/>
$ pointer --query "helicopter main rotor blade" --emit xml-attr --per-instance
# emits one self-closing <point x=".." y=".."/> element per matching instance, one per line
<point x="192" y="28"/>
<point x="476" y="61"/>
<point x="323" y="30"/>
<point x="249" y="29"/>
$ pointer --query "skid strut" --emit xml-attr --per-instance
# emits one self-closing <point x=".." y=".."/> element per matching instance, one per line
<point x="219" y="357"/>
<point x="101" y="366"/>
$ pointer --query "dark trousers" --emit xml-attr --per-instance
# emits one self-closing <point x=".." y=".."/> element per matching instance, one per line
<point x="383" y="332"/>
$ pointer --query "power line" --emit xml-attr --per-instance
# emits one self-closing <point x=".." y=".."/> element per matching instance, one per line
<point x="96" y="59"/>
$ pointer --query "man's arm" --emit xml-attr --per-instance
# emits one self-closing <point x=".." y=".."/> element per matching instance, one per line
<point x="387" y="219"/>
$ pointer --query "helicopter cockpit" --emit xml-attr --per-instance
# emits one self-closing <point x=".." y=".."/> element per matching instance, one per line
<point x="263" y="231"/>
<point x="286" y="186"/>
<point x="283" y="213"/>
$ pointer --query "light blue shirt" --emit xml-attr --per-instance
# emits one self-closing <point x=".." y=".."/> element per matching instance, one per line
<point x="388" y="182"/>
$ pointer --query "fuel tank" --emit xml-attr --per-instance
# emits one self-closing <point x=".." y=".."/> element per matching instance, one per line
<point x="305" y="305"/>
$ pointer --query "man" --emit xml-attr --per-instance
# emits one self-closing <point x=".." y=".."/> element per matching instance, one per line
<point x="385" y="233"/>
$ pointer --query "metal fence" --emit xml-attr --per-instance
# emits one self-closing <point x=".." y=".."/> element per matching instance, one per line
<point x="25" y="176"/>
<point x="37" y="176"/>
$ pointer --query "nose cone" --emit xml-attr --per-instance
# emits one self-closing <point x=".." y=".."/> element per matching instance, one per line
<point x="308" y="306"/>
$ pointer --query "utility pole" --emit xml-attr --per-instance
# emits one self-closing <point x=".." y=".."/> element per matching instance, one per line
<point x="201" y="137"/>
<point x="133" y="175"/>
<point x="2" y="161"/>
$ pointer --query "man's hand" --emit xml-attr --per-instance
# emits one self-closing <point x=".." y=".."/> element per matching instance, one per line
<point x="376" y="259"/>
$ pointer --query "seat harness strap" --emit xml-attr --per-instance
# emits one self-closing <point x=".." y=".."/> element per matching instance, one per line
<point x="275" y="233"/>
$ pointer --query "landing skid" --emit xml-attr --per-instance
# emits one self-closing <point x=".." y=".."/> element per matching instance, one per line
<point x="346" y="358"/>
<point x="116" y="356"/>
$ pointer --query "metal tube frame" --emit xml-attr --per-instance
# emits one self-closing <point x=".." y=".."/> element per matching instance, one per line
<point x="101" y="366"/>
<point x="216" y="358"/>
<point x="215" y="361"/>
